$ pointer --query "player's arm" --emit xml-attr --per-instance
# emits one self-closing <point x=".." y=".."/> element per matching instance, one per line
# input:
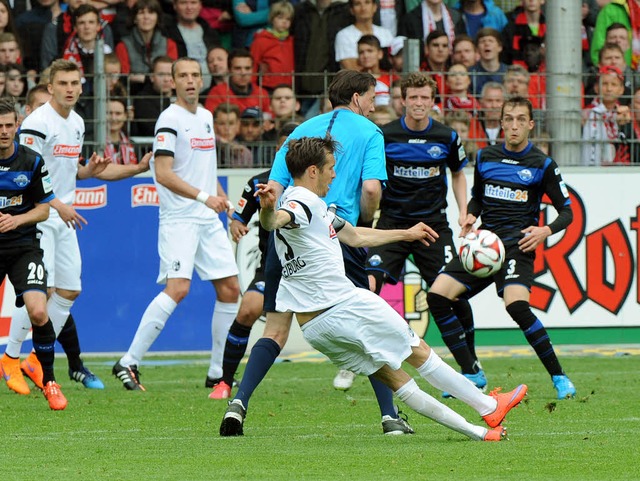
<point x="367" y="237"/>
<point x="118" y="172"/>
<point x="459" y="187"/>
<point x="9" y="222"/>
<point x="557" y="191"/>
<point x="247" y="207"/>
<point x="270" y="218"/>
<point x="370" y="199"/>
<point x="94" y="167"/>
<point x="166" y="177"/>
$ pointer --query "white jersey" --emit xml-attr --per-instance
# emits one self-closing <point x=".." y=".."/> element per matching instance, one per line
<point x="313" y="276"/>
<point x="59" y="141"/>
<point x="190" y="140"/>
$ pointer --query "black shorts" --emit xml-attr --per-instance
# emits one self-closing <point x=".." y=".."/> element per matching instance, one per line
<point x="257" y="284"/>
<point x="25" y="268"/>
<point x="354" y="259"/>
<point x="390" y="258"/>
<point x="516" y="270"/>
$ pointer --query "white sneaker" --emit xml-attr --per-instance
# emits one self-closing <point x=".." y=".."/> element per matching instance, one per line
<point x="343" y="380"/>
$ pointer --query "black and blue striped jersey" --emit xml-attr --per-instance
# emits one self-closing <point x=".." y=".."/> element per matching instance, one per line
<point x="509" y="186"/>
<point x="24" y="182"/>
<point x="249" y="204"/>
<point x="416" y="169"/>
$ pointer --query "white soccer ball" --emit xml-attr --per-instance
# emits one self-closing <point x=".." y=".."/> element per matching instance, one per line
<point x="481" y="253"/>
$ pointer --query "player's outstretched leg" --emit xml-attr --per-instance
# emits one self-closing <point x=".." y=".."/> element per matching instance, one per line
<point x="538" y="338"/>
<point x="43" y="343"/>
<point x="78" y="372"/>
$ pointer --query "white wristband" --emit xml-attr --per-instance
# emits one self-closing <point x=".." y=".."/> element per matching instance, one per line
<point x="202" y="196"/>
<point x="229" y="205"/>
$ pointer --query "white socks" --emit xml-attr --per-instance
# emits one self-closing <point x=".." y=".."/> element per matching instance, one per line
<point x="18" y="332"/>
<point x="443" y="377"/>
<point x="426" y="405"/>
<point x="151" y="325"/>
<point x="223" y="315"/>
<point x="58" y="309"/>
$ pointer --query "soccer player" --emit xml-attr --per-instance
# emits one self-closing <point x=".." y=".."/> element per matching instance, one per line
<point x="509" y="181"/>
<point x="56" y="131"/>
<point x="356" y="329"/>
<point x="190" y="233"/>
<point x="25" y="190"/>
<point x="419" y="150"/>
<point x="252" y="300"/>
<point x="356" y="195"/>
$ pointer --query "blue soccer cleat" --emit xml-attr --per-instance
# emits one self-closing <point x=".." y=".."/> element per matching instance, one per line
<point x="479" y="379"/>
<point x="87" y="378"/>
<point x="564" y="386"/>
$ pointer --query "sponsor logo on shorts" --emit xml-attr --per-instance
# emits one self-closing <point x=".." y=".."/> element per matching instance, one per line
<point x="91" y="198"/>
<point x="506" y="193"/>
<point x="260" y="286"/>
<point x="144" y="195"/>
<point x="61" y="150"/>
<point x="203" y="144"/>
<point x="375" y="260"/>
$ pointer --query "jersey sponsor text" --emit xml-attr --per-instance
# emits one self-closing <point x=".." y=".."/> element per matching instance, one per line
<point x="203" y="144"/>
<point x="293" y="266"/>
<point x="506" y="193"/>
<point x="61" y="150"/>
<point x="416" y="172"/>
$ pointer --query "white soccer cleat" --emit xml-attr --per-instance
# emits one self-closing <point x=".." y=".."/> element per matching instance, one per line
<point x="343" y="380"/>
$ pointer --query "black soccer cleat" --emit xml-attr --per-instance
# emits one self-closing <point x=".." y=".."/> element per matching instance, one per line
<point x="233" y="420"/>
<point x="129" y="376"/>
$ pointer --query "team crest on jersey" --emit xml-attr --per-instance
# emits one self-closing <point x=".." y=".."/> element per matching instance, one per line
<point x="207" y="127"/>
<point x="78" y="135"/>
<point x="525" y="175"/>
<point x="175" y="266"/>
<point x="21" y="180"/>
<point x="435" y="151"/>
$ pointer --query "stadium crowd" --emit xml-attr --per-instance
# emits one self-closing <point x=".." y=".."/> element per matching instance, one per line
<point x="273" y="61"/>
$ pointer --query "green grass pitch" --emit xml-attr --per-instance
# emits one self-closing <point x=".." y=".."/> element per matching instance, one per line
<point x="300" y="428"/>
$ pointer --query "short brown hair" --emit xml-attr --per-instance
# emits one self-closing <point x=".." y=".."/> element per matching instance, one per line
<point x="62" y="65"/>
<point x="8" y="106"/>
<point x="307" y="151"/>
<point x="418" y="80"/>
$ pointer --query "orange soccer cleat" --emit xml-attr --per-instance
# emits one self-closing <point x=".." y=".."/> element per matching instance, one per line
<point x="506" y="402"/>
<point x="220" y="391"/>
<point x="54" y="395"/>
<point x="10" y="370"/>
<point x="32" y="368"/>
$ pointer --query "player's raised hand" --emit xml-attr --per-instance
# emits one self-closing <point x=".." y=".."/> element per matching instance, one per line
<point x="267" y="196"/>
<point x="238" y="230"/>
<point x="423" y="233"/>
<point x="144" y="161"/>
<point x="95" y="165"/>
<point x="533" y="236"/>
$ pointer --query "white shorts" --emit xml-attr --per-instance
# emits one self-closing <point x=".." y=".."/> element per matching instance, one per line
<point x="61" y="254"/>
<point x="183" y="246"/>
<point x="362" y="334"/>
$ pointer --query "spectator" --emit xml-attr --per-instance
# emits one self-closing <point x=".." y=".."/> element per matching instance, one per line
<point x="391" y="11"/>
<point x="479" y="14"/>
<point x="137" y="50"/>
<point x="219" y="16"/>
<point x="218" y="65"/>
<point x="525" y="21"/>
<point x="284" y="109"/>
<point x="437" y="50"/>
<point x="382" y="115"/>
<point x="251" y="136"/>
<point x="516" y="82"/>
<point x="36" y="97"/>
<point x="396" y="98"/>
<point x="396" y="54"/>
<point x="489" y="68"/>
<point x="600" y="134"/>
<point x="612" y="54"/>
<point x="56" y="33"/>
<point x="272" y="48"/>
<point x="226" y="124"/>
<point x="616" y="12"/>
<point x="30" y="27"/>
<point x="316" y="24"/>
<point x="249" y="18"/>
<point x="192" y="35"/>
<point x="428" y="16"/>
<point x="113" y="71"/>
<point x="619" y="34"/>
<point x="347" y="38"/>
<point x="7" y="23"/>
<point x="3" y="78"/>
<point x="153" y="98"/>
<point x="486" y="128"/>
<point x="465" y="51"/>
<point x="16" y="87"/>
<point x="460" y="121"/>
<point x="629" y="133"/>
<point x="9" y="49"/>
<point x="533" y="52"/>
<point x="241" y="89"/>
<point x="119" y="148"/>
<point x="370" y="55"/>
<point x="458" y="98"/>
